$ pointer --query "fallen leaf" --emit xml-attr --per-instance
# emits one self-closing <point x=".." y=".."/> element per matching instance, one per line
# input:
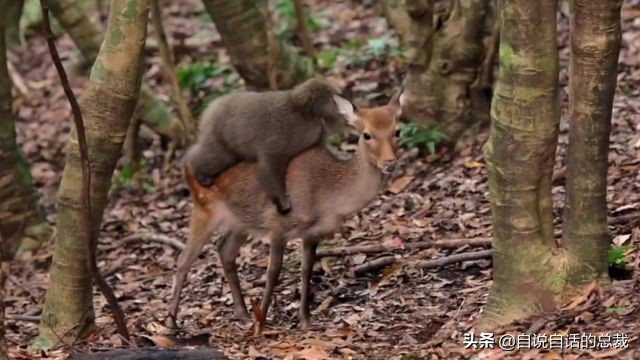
<point x="399" y="184"/>
<point x="161" y="341"/>
<point x="582" y="297"/>
<point x="313" y="353"/>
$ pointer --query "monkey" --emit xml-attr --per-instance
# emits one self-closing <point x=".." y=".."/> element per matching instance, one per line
<point x="269" y="127"/>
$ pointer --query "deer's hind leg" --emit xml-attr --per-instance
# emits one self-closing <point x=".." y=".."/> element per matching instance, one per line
<point x="200" y="229"/>
<point x="228" y="248"/>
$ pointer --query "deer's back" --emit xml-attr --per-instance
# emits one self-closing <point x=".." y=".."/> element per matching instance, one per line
<point x="315" y="179"/>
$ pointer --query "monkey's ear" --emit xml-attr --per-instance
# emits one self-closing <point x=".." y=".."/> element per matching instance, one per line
<point x="346" y="109"/>
<point x="397" y="101"/>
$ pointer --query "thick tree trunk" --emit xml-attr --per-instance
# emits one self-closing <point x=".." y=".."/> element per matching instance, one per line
<point x="532" y="273"/>
<point x="22" y="224"/>
<point x="595" y="45"/>
<point x="88" y="37"/>
<point x="520" y="154"/>
<point x="242" y="24"/>
<point x="443" y="64"/>
<point x="107" y="106"/>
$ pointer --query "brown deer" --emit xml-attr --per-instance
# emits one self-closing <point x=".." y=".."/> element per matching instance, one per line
<point x="323" y="191"/>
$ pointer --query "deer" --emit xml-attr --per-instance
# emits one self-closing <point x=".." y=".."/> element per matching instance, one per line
<point x="324" y="189"/>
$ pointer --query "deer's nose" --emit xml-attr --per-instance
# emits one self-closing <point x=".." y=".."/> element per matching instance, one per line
<point x="389" y="166"/>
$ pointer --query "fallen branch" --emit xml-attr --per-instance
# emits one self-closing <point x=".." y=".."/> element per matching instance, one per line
<point x="422" y="264"/>
<point x="92" y="241"/>
<point x="377" y="264"/>
<point x="378" y="248"/>
<point x="145" y="237"/>
<point x="447" y="260"/>
<point x="25" y="318"/>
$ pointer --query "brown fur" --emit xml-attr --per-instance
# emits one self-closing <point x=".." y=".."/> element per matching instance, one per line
<point x="268" y="127"/>
<point x="323" y="190"/>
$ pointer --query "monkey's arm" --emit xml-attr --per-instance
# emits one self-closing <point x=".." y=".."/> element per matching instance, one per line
<point x="271" y="172"/>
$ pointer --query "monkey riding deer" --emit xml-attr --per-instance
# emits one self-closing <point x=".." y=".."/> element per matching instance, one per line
<point x="323" y="191"/>
<point x="269" y="127"/>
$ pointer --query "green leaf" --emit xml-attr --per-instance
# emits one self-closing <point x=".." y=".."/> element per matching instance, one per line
<point x="616" y="255"/>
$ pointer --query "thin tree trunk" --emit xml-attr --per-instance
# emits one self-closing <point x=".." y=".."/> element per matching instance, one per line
<point x="88" y="37"/>
<point x="169" y="69"/>
<point x="107" y="106"/>
<point x="303" y="30"/>
<point x="443" y="64"/>
<point x="243" y="27"/>
<point x="22" y="224"/>
<point x="520" y="155"/>
<point x="595" y="45"/>
<point x="5" y="116"/>
<point x="13" y="14"/>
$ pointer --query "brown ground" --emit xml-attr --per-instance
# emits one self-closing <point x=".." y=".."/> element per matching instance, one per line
<point x="399" y="313"/>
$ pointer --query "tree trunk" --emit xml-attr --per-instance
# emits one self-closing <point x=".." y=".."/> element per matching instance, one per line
<point x="520" y="155"/>
<point x="108" y="105"/>
<point x="22" y="224"/>
<point x="397" y="17"/>
<point x="595" y="45"/>
<point x="443" y="64"/>
<point x="13" y="15"/>
<point x="242" y="24"/>
<point x="532" y="272"/>
<point x="3" y="343"/>
<point x="88" y="37"/>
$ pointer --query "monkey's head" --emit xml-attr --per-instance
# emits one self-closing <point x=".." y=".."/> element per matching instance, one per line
<point x="317" y="97"/>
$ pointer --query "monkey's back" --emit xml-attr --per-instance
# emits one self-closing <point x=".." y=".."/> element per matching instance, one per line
<point x="259" y="122"/>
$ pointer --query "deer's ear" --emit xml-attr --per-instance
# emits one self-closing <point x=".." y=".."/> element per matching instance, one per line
<point x="346" y="109"/>
<point x="397" y="102"/>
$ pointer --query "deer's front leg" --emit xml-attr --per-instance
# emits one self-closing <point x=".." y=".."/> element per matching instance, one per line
<point x="276" y="254"/>
<point x="228" y="252"/>
<point x="309" y="247"/>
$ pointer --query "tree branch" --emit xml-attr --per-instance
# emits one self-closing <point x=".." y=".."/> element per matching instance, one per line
<point x="378" y="248"/>
<point x="92" y="241"/>
<point x="422" y="264"/>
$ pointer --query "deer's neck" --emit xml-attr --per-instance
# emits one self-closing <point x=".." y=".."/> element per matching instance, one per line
<point x="359" y="184"/>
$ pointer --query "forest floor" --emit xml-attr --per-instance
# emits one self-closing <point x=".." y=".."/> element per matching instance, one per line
<point x="399" y="313"/>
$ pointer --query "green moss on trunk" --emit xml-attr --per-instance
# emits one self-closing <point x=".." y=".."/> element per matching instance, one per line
<point x="107" y="108"/>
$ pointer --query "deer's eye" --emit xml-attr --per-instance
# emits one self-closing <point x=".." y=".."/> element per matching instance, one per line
<point x="366" y="136"/>
<point x="397" y="133"/>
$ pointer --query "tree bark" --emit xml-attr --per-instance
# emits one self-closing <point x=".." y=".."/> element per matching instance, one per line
<point x="242" y="24"/>
<point x="443" y="64"/>
<point x="520" y="154"/>
<point x="88" y="37"/>
<point x="22" y="223"/>
<point x="396" y="15"/>
<point x="595" y="45"/>
<point x="107" y="106"/>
